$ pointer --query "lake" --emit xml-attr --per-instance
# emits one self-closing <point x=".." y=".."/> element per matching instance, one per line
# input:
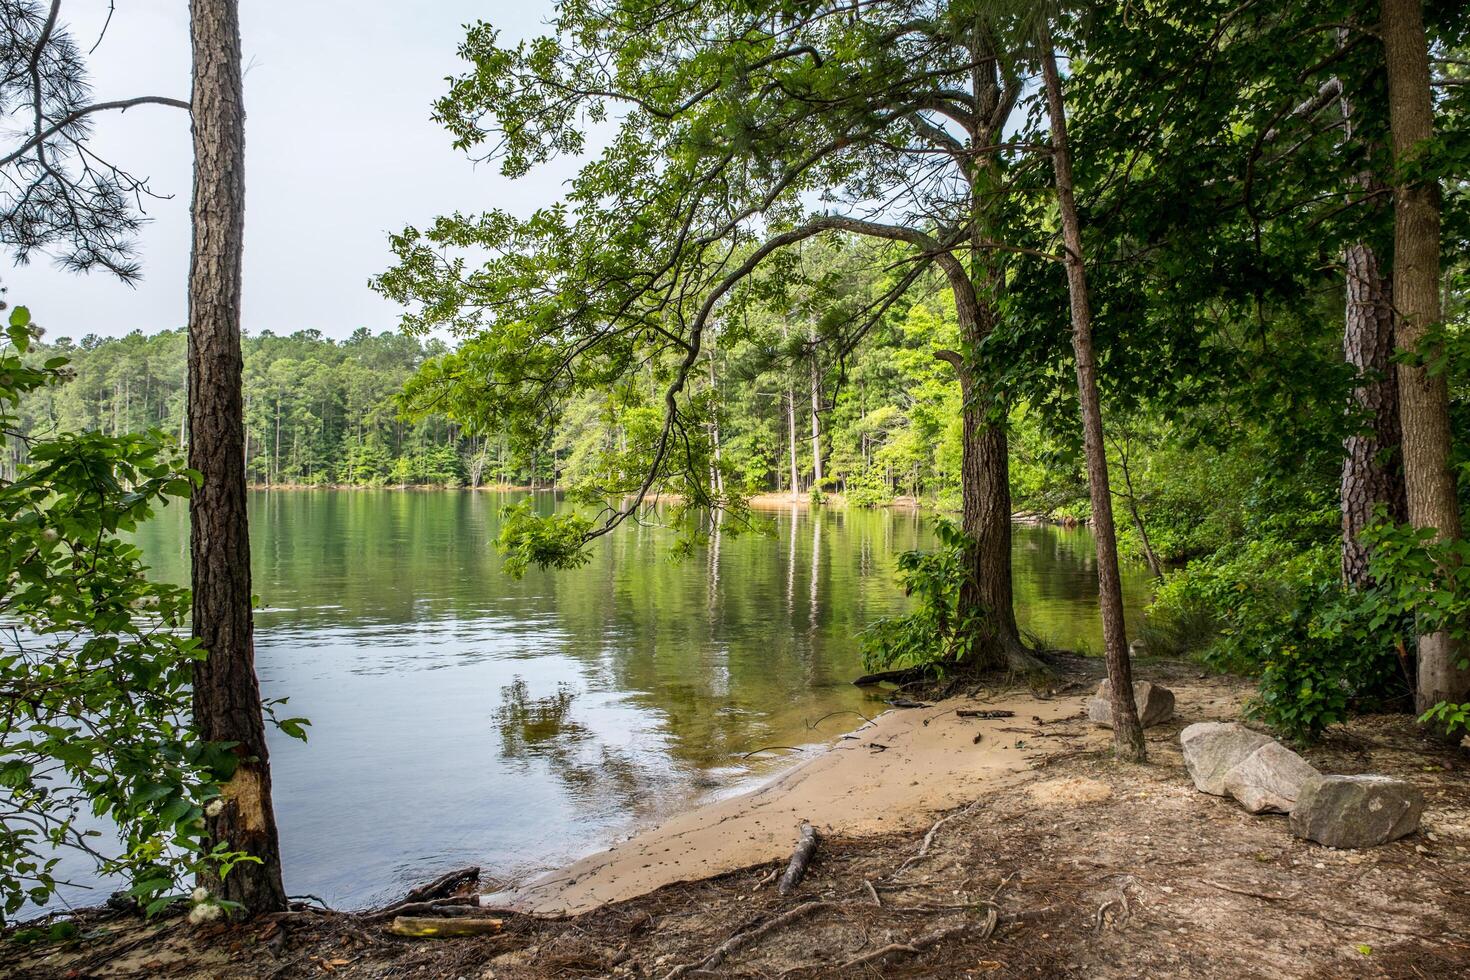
<point x="463" y="717"/>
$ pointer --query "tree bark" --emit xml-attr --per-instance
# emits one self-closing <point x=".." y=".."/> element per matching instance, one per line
<point x="1423" y="396"/>
<point x="226" y="692"/>
<point x="816" y="383"/>
<point x="1371" y="473"/>
<point x="1127" y="731"/>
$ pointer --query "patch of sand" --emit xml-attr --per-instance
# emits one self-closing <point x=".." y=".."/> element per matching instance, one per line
<point x="930" y="762"/>
<point x="1069" y="792"/>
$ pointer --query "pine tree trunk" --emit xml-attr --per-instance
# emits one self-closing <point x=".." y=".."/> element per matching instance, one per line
<point x="1370" y="468"/>
<point x="816" y="381"/>
<point x="226" y="692"/>
<point x="1423" y="396"/>
<point x="791" y="441"/>
<point x="1127" y="732"/>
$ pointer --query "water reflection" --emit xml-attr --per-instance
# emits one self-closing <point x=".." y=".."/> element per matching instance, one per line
<point x="537" y="719"/>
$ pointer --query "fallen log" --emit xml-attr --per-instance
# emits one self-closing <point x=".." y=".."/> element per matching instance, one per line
<point x="463" y="905"/>
<point x="425" y="928"/>
<point x="893" y="676"/>
<point x="445" y="885"/>
<point x="806" y="846"/>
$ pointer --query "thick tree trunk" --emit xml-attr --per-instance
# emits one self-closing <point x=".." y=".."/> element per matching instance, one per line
<point x="226" y="692"/>
<point x="985" y="492"/>
<point x="1371" y="473"/>
<point x="1127" y="732"/>
<point x="1423" y="396"/>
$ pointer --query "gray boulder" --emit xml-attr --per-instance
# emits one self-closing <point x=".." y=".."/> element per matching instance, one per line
<point x="1357" y="811"/>
<point x="1155" y="704"/>
<point x="1213" y="748"/>
<point x="1270" y="779"/>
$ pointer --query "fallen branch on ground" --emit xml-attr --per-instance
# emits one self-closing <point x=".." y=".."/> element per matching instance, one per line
<point x="422" y="928"/>
<point x="983" y="713"/>
<point x="892" y="676"/>
<point x="806" y="846"/>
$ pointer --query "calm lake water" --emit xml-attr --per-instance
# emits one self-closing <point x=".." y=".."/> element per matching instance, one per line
<point x="462" y="717"/>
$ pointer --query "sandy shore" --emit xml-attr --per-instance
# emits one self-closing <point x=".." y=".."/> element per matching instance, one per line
<point x="930" y="762"/>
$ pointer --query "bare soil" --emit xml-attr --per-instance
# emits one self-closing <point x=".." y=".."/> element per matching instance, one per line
<point x="1085" y="868"/>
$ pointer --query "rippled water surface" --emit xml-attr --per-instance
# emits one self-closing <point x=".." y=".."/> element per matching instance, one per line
<point x="462" y="717"/>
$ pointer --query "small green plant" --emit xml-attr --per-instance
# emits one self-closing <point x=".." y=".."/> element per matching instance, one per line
<point x="936" y="634"/>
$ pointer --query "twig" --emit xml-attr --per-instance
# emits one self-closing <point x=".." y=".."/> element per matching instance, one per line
<point x="929" y="837"/>
<point x="872" y="893"/>
<point x="811" y="725"/>
<point x="1248" y="893"/>
<point x="769" y="748"/>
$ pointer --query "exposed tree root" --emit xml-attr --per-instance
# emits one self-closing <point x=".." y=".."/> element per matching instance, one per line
<point x="911" y="948"/>
<point x="743" y="940"/>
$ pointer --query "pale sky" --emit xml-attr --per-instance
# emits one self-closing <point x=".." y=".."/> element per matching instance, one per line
<point x="340" y="151"/>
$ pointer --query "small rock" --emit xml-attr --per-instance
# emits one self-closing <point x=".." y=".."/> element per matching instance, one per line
<point x="1213" y="748"/>
<point x="1357" y="811"/>
<point x="1155" y="704"/>
<point x="1270" y="779"/>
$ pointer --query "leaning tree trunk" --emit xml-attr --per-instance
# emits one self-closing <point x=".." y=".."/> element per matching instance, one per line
<point x="1371" y="472"/>
<point x="1127" y="731"/>
<point x="1423" y="395"/>
<point x="226" y="692"/>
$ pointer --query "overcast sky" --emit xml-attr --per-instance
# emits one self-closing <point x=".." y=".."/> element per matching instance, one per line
<point x="340" y="152"/>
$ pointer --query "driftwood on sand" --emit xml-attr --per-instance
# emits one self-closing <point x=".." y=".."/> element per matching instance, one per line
<point x="806" y="846"/>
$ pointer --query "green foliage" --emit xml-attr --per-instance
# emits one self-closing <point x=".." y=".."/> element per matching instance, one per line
<point x="94" y="660"/>
<point x="1422" y="586"/>
<point x="937" y="633"/>
<point x="1264" y="608"/>
<point x="546" y="541"/>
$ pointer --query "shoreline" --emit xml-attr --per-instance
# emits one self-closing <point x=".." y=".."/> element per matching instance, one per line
<point x="931" y="760"/>
<point x="771" y="500"/>
<point x="1064" y="864"/>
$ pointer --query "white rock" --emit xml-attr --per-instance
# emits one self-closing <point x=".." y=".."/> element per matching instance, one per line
<point x="1270" y="779"/>
<point x="1213" y="748"/>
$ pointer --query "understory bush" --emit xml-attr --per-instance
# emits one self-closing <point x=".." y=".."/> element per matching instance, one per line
<point x="1273" y="611"/>
<point x="936" y="632"/>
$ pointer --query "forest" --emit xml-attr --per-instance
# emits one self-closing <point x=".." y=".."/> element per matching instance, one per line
<point x="1106" y="366"/>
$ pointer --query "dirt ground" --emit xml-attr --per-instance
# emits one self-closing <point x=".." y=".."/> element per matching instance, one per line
<point x="1085" y="868"/>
